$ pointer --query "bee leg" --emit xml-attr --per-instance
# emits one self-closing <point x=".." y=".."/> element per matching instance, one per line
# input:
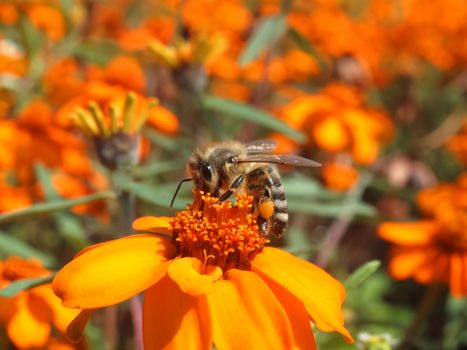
<point x="263" y="225"/>
<point x="235" y="185"/>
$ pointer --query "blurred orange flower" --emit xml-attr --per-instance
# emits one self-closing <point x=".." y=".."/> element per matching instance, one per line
<point x="29" y="315"/>
<point x="106" y="87"/>
<point x="45" y="15"/>
<point x="35" y="137"/>
<point x="336" y="120"/>
<point x="161" y="29"/>
<point x="198" y="276"/>
<point x="339" y="176"/>
<point x="433" y="249"/>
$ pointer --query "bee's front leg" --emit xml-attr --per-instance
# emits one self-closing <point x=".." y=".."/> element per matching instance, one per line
<point x="233" y="187"/>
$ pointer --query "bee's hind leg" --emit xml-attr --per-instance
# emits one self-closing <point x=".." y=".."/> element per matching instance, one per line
<point x="233" y="187"/>
<point x="263" y="225"/>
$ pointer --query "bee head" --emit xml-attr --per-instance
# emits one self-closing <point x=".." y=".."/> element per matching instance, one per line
<point x="202" y="171"/>
<point x="211" y="168"/>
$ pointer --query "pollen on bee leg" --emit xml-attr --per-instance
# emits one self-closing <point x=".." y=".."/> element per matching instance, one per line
<point x="266" y="208"/>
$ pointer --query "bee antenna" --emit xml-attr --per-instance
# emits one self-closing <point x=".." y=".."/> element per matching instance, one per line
<point x="178" y="188"/>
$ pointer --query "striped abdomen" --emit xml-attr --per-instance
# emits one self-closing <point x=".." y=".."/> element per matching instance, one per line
<point x="265" y="185"/>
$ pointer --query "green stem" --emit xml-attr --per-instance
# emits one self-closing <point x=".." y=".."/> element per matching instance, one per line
<point x="127" y="214"/>
<point x="424" y="310"/>
<point x="339" y="227"/>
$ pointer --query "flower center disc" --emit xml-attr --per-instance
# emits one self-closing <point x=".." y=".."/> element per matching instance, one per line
<point x="219" y="233"/>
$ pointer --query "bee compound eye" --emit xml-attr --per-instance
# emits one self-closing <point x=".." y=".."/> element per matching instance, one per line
<point x="206" y="171"/>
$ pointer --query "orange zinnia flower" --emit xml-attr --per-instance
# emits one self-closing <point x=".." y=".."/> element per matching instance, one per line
<point x="336" y="120"/>
<point x="433" y="249"/>
<point x="28" y="315"/>
<point x="45" y="15"/>
<point x="207" y="279"/>
<point x="339" y="176"/>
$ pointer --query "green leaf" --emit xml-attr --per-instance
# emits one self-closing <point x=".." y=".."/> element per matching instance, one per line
<point x="97" y="51"/>
<point x="14" y="246"/>
<point x="156" y="194"/>
<point x="168" y="143"/>
<point x="362" y="273"/>
<point x="331" y="209"/>
<point x="53" y="206"/>
<point x="300" y="186"/>
<point x="307" y="47"/>
<point x="158" y="167"/>
<point x="20" y="285"/>
<point x="267" y="33"/>
<point x="44" y="176"/>
<point x="249" y="113"/>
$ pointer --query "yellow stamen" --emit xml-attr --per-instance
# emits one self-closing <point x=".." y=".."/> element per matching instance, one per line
<point x="129" y="111"/>
<point x="87" y="120"/>
<point x="227" y="235"/>
<point x="113" y="111"/>
<point x="98" y="116"/>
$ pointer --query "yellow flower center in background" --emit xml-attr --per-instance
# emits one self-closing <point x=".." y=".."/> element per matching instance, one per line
<point x="15" y="268"/>
<point x="218" y="233"/>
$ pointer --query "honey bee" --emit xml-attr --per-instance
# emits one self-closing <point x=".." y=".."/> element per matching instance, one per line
<point x="233" y="167"/>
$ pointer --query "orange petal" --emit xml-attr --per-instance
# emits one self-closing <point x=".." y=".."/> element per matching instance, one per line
<point x="458" y="275"/>
<point x="74" y="331"/>
<point x="408" y="233"/>
<point x="298" y="316"/>
<point x="175" y="320"/>
<point x="186" y="272"/>
<point x="322" y="294"/>
<point x="7" y="308"/>
<point x="163" y="119"/>
<point x="29" y="327"/>
<point x="247" y="315"/>
<point x="61" y="315"/>
<point x="156" y="224"/>
<point x="331" y="135"/>
<point x="435" y="268"/>
<point x="405" y="261"/>
<point x="112" y="272"/>
<point x="365" y="146"/>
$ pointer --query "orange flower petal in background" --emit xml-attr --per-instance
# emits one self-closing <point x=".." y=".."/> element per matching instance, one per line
<point x="29" y="326"/>
<point x="409" y="233"/>
<point x="89" y="280"/>
<point x="320" y="292"/>
<point x="163" y="119"/>
<point x="246" y="314"/>
<point x="331" y="135"/>
<point x="61" y="316"/>
<point x="47" y="18"/>
<point x="435" y="268"/>
<point x="175" y="320"/>
<point x="405" y="261"/>
<point x="458" y="274"/>
<point x="125" y="71"/>
<point x="339" y="176"/>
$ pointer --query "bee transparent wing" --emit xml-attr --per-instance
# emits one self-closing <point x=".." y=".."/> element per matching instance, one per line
<point x="286" y="159"/>
<point x="260" y="146"/>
